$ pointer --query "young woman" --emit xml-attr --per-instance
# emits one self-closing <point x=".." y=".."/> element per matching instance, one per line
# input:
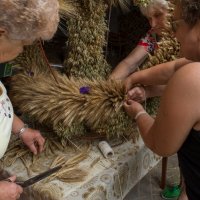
<point x="156" y="12"/>
<point x="177" y="125"/>
<point x="21" y="22"/>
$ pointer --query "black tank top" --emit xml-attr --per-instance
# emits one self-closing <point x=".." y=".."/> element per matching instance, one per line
<point x="189" y="161"/>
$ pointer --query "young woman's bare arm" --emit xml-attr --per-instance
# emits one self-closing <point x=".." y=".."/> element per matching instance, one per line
<point x="178" y="113"/>
<point x="157" y="75"/>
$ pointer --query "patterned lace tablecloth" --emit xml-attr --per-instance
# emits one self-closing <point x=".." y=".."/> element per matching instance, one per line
<point x="108" y="179"/>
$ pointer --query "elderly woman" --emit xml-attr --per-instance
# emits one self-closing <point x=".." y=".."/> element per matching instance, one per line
<point x="177" y="125"/>
<point x="21" y="23"/>
<point x="156" y="12"/>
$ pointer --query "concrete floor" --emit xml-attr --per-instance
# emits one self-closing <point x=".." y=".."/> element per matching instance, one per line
<point x="148" y="188"/>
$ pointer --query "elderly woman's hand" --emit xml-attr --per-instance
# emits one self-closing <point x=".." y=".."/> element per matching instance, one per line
<point x="132" y="108"/>
<point x="34" y="140"/>
<point x="10" y="190"/>
<point x="137" y="94"/>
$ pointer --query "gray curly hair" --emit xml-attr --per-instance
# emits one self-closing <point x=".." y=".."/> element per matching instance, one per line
<point x="190" y="11"/>
<point x="29" y="19"/>
<point x="153" y="4"/>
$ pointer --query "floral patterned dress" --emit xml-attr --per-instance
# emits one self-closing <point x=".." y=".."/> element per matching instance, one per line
<point x="149" y="42"/>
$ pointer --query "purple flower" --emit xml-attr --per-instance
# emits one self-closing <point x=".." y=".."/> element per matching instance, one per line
<point x="84" y="90"/>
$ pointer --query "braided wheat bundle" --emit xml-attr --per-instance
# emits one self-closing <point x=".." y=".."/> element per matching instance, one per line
<point x="70" y="103"/>
<point x="86" y="41"/>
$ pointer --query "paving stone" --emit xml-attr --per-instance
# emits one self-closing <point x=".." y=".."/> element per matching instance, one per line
<point x="148" y="188"/>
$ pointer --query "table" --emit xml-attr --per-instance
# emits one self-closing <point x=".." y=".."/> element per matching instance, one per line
<point x="108" y="179"/>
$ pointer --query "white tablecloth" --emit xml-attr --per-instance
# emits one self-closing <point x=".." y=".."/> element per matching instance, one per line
<point x="108" y="179"/>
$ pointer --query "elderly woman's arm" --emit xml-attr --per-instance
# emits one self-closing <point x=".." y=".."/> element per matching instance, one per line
<point x="157" y="75"/>
<point x="129" y="64"/>
<point x="32" y="138"/>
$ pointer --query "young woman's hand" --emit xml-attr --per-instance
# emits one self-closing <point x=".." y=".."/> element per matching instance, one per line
<point x="33" y="139"/>
<point x="10" y="190"/>
<point x="132" y="108"/>
<point x="137" y="94"/>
